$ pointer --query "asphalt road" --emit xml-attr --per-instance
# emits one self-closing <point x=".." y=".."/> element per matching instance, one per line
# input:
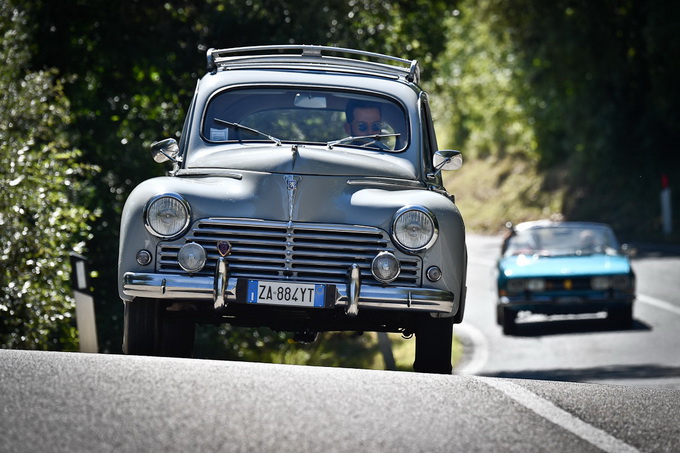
<point x="579" y="349"/>
<point x="57" y="402"/>
<point x="561" y="385"/>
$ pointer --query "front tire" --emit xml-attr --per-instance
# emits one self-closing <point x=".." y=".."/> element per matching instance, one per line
<point x="508" y="321"/>
<point x="177" y="335"/>
<point x="141" y="327"/>
<point x="622" y="317"/>
<point x="148" y="329"/>
<point x="434" y="338"/>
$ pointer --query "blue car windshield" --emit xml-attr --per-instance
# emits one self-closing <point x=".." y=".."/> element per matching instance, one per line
<point x="316" y="116"/>
<point x="562" y="240"/>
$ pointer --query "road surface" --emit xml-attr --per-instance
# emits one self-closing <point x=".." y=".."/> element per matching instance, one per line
<point x="76" y="402"/>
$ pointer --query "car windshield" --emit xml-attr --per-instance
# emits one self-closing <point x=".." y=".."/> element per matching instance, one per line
<point x="327" y="117"/>
<point x="562" y="240"/>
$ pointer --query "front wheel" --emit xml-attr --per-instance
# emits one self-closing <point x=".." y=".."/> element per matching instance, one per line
<point x="141" y="327"/>
<point x="149" y="329"/>
<point x="508" y="321"/>
<point x="621" y="317"/>
<point x="434" y="338"/>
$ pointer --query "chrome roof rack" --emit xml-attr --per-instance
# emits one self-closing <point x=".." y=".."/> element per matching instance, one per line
<point x="324" y="57"/>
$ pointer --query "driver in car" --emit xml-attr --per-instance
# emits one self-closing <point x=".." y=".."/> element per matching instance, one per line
<point x="363" y="118"/>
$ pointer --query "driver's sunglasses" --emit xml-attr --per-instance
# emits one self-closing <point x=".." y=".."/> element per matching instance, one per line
<point x="362" y="126"/>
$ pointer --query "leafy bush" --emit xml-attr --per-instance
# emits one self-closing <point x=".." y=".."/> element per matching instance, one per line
<point x="41" y="220"/>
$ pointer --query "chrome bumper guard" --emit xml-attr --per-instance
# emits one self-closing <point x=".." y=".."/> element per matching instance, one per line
<point x="172" y="286"/>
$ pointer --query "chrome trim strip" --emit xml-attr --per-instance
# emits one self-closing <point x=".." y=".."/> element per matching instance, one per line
<point x="385" y="182"/>
<point x="208" y="173"/>
<point x="162" y="286"/>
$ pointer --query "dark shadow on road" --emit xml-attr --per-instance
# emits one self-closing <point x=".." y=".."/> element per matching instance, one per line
<point x="568" y="327"/>
<point x="596" y="373"/>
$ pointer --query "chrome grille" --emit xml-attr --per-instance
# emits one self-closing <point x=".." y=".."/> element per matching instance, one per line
<point x="290" y="251"/>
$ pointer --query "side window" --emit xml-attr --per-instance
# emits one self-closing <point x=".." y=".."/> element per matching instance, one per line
<point x="429" y="138"/>
<point x="188" y="120"/>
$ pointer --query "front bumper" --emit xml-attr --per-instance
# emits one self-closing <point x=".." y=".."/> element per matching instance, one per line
<point x="565" y="304"/>
<point x="353" y="296"/>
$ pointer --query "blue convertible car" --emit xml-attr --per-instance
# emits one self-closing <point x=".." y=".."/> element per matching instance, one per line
<point x="564" y="267"/>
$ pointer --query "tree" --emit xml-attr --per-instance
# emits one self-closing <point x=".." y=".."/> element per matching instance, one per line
<point x="584" y="89"/>
<point x="597" y="81"/>
<point x="42" y="218"/>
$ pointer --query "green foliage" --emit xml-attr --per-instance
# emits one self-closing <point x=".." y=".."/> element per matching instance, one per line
<point x="493" y="190"/>
<point x="476" y="103"/>
<point x="338" y="349"/>
<point x="584" y="88"/>
<point x="42" y="218"/>
<point x="331" y="349"/>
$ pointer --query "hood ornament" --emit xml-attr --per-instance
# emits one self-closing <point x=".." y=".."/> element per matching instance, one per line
<point x="292" y="183"/>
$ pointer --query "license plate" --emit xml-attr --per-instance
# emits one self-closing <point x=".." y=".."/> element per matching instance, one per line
<point x="285" y="293"/>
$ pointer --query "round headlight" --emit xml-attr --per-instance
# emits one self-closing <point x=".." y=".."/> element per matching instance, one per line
<point x="516" y="285"/>
<point x="621" y="282"/>
<point x="536" y="284"/>
<point x="414" y="228"/>
<point x="385" y="267"/>
<point x="191" y="257"/>
<point x="599" y="283"/>
<point x="167" y="215"/>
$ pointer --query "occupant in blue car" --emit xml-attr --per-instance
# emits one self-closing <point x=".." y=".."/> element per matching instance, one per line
<point x="589" y="243"/>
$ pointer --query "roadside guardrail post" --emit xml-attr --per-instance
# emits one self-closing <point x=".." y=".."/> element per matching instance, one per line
<point x="85" y="320"/>
<point x="666" y="210"/>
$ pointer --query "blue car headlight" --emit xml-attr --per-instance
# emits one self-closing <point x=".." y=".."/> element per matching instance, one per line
<point x="599" y="283"/>
<point x="622" y="282"/>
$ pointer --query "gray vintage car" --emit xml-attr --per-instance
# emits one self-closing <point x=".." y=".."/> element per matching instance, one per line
<point x="306" y="195"/>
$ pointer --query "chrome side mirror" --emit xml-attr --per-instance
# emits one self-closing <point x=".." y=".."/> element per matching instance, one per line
<point x="446" y="160"/>
<point x="165" y="150"/>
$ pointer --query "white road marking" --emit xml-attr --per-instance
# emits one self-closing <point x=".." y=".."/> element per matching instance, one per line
<point x="658" y="303"/>
<point x="560" y="417"/>
<point x="473" y="340"/>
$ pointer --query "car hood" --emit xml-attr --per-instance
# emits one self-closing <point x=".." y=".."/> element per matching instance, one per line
<point x="541" y="266"/>
<point x="302" y="160"/>
<point x="298" y="198"/>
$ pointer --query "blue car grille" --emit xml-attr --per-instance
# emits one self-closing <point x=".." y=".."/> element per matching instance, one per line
<point x="291" y="251"/>
<point x="567" y="284"/>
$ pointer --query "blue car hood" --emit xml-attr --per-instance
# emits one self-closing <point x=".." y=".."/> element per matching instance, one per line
<point x="544" y="266"/>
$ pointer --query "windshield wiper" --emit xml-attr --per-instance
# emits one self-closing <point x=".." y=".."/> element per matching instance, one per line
<point x="375" y="138"/>
<point x="249" y="129"/>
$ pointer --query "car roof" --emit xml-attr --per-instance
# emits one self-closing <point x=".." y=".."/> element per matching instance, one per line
<point x="553" y="224"/>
